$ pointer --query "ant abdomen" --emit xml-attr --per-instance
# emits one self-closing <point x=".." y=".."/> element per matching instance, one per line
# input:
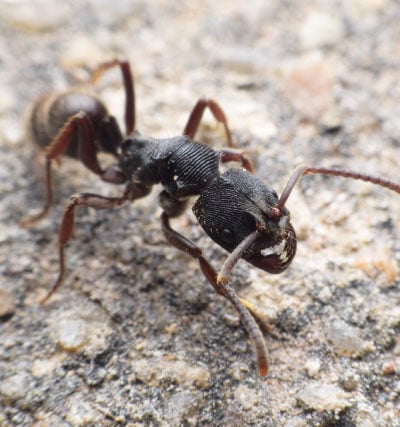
<point x="51" y="112"/>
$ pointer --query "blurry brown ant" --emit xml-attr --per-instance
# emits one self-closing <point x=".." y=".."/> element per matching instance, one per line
<point x="235" y="208"/>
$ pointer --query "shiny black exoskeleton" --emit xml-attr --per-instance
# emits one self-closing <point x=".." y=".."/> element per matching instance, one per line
<point x="165" y="161"/>
<point x="235" y="208"/>
<point x="230" y="206"/>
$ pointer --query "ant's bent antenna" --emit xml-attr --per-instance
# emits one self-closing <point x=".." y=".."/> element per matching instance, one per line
<point x="302" y="170"/>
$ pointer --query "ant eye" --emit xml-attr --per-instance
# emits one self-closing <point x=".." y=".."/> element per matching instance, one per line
<point x="227" y="235"/>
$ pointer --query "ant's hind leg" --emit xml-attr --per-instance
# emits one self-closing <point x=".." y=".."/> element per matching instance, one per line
<point x="77" y="126"/>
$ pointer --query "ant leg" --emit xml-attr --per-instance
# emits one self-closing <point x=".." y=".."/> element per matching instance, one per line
<point x="77" y="125"/>
<point x="197" y="113"/>
<point x="132" y="191"/>
<point x="27" y="221"/>
<point x="227" y="267"/>
<point x="129" y="87"/>
<point x="227" y="154"/>
<point x="173" y="208"/>
<point x="221" y="285"/>
<point x="234" y="155"/>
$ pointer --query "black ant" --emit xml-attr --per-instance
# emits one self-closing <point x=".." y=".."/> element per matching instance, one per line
<point x="235" y="208"/>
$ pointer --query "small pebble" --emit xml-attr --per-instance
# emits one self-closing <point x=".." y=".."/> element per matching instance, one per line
<point x="7" y="304"/>
<point x="345" y="339"/>
<point x="15" y="386"/>
<point x="350" y="382"/>
<point x="330" y="122"/>
<point x="83" y="328"/>
<point x="389" y="368"/>
<point x="71" y="334"/>
<point x="323" y="397"/>
<point x="313" y="367"/>
<point x="325" y="294"/>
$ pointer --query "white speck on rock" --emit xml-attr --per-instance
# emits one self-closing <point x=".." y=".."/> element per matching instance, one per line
<point x="313" y="367"/>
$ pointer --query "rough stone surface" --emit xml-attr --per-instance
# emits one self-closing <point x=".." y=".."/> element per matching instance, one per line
<point x="135" y="336"/>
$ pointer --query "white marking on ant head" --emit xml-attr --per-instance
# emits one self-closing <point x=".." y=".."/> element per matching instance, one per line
<point x="283" y="221"/>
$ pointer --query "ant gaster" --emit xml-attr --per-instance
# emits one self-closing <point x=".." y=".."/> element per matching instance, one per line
<point x="235" y="208"/>
<point x="76" y="123"/>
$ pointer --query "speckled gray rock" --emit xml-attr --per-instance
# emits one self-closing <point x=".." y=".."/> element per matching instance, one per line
<point x="135" y="336"/>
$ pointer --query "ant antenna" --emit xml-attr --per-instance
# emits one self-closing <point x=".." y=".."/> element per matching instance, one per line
<point x="248" y="321"/>
<point x="305" y="170"/>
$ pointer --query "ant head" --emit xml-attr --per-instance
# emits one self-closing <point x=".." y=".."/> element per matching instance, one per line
<point x="238" y="204"/>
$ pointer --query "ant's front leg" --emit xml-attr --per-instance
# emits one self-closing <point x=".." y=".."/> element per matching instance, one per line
<point x="132" y="191"/>
<point x="221" y="284"/>
<point x="196" y="115"/>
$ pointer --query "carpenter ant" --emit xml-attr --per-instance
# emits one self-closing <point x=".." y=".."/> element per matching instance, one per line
<point x="235" y="208"/>
<point x="76" y="123"/>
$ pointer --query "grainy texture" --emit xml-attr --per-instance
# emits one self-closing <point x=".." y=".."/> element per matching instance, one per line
<point x="136" y="336"/>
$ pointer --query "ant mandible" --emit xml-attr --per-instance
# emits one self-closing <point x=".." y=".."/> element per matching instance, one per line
<point x="235" y="208"/>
